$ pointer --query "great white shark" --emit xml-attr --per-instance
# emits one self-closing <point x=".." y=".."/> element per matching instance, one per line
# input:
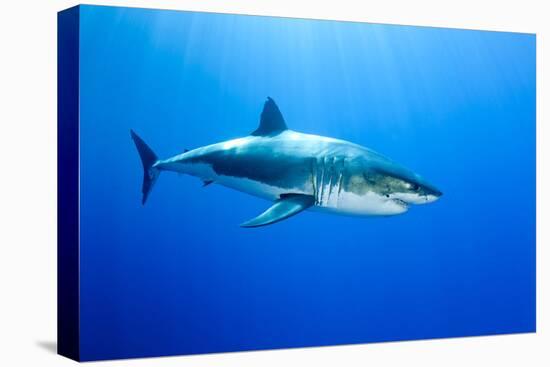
<point x="296" y="171"/>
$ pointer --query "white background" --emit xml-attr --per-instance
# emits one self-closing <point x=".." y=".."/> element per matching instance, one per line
<point x="28" y="184"/>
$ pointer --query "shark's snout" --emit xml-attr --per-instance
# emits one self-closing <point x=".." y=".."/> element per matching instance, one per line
<point x="430" y="194"/>
<point x="417" y="193"/>
<point x="431" y="198"/>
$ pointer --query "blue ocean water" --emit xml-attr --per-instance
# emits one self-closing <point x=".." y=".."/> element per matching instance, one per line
<point x="179" y="275"/>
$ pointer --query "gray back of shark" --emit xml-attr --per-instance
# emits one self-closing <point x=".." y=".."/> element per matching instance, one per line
<point x="297" y="172"/>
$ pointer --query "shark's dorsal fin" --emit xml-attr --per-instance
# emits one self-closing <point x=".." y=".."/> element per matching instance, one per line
<point x="271" y="120"/>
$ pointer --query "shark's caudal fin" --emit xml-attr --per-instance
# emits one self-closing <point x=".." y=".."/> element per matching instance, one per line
<point x="271" y="120"/>
<point x="148" y="159"/>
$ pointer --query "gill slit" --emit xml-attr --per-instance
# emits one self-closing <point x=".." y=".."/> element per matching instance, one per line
<point x="323" y="168"/>
<point x="331" y="182"/>
<point x="314" y="179"/>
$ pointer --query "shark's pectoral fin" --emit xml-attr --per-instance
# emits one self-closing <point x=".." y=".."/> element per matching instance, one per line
<point x="287" y="206"/>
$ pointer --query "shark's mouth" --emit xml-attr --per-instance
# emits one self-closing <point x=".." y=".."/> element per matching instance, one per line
<point x="401" y="203"/>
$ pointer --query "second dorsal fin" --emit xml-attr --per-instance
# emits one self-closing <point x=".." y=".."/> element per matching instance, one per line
<point x="271" y="120"/>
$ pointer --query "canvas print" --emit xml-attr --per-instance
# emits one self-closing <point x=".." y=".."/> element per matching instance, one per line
<point x="236" y="182"/>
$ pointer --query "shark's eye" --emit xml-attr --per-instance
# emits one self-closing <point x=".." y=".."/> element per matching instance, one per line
<point x="414" y="187"/>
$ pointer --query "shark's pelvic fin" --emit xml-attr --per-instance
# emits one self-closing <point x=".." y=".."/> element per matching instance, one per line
<point x="271" y="120"/>
<point x="206" y="182"/>
<point x="287" y="206"/>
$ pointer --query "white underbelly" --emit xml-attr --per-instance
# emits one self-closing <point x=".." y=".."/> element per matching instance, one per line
<point x="329" y="199"/>
<point x="369" y="204"/>
<point x="243" y="184"/>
